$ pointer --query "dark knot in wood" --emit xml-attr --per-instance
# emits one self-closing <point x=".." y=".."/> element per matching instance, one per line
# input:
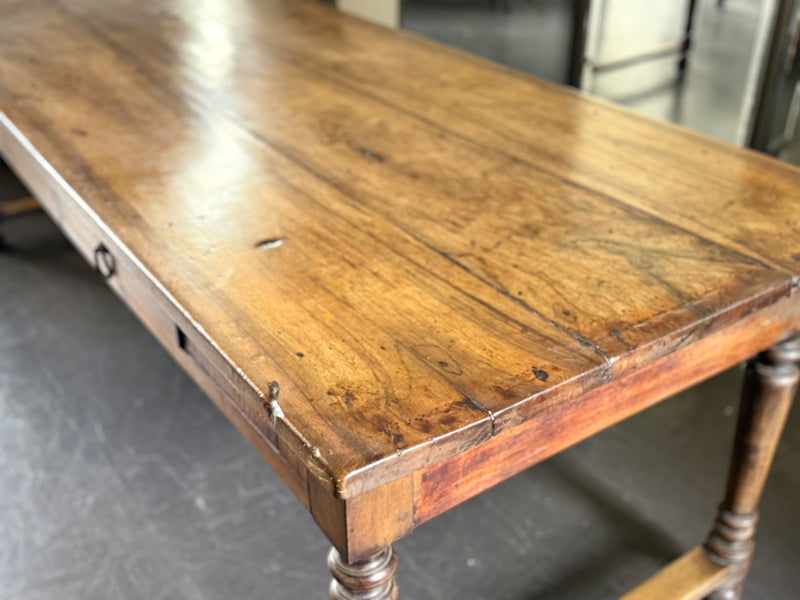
<point x="372" y="579"/>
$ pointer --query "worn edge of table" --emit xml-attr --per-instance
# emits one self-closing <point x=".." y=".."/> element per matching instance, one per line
<point x="375" y="513"/>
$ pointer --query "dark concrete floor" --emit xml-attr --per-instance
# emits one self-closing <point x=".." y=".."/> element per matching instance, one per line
<point x="118" y="479"/>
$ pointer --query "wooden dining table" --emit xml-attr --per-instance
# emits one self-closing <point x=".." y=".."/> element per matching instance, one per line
<point x="403" y="272"/>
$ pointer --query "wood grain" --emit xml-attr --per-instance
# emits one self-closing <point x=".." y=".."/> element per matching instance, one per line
<point x="556" y="427"/>
<point x="512" y="224"/>
<point x="364" y="525"/>
<point x="422" y="249"/>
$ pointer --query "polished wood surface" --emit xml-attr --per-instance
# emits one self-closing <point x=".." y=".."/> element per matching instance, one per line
<point x="431" y="279"/>
<point x="403" y="272"/>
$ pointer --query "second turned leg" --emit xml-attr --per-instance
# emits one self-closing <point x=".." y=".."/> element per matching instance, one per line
<point x="371" y="579"/>
<point x="769" y="388"/>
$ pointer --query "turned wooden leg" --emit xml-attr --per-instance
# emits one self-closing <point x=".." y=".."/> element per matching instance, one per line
<point x="769" y="388"/>
<point x="372" y="579"/>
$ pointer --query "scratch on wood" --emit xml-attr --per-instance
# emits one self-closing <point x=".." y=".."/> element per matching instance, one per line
<point x="270" y="243"/>
<point x="370" y="155"/>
